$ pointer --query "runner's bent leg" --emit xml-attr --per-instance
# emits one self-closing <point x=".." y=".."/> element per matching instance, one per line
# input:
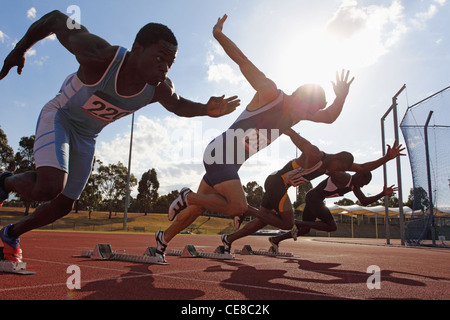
<point x="229" y="198"/>
<point x="186" y="217"/>
<point x="283" y="220"/>
<point x="44" y="184"/>
<point x="45" y="214"/>
<point x="247" y="230"/>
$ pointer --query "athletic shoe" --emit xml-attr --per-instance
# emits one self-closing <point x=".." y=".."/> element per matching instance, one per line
<point x="179" y="204"/>
<point x="226" y="244"/>
<point x="160" y="246"/>
<point x="11" y="249"/>
<point x="274" y="246"/>
<point x="3" y="194"/>
<point x="294" y="232"/>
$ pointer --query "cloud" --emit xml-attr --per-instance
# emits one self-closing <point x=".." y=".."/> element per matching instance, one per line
<point x="221" y="71"/>
<point x="173" y="146"/>
<point x="3" y="36"/>
<point x="420" y="19"/>
<point x="369" y="32"/>
<point x="31" y="52"/>
<point x="347" y="21"/>
<point x="31" y="13"/>
<point x="51" y="37"/>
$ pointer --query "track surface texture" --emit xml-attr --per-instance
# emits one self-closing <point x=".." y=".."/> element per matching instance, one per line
<point x="321" y="269"/>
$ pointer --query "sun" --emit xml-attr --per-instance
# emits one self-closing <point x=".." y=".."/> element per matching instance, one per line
<point x="307" y="59"/>
<point x="315" y="56"/>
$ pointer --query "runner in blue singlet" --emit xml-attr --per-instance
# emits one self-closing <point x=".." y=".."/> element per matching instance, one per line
<point x="111" y="82"/>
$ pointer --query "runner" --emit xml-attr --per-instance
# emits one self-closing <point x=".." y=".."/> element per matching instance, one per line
<point x="338" y="184"/>
<point x="276" y="208"/>
<point x="111" y="82"/>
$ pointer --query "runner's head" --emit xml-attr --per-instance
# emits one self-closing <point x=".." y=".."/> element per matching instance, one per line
<point x="152" y="33"/>
<point x="341" y="161"/>
<point x="360" y="179"/>
<point x="155" y="49"/>
<point x="311" y="95"/>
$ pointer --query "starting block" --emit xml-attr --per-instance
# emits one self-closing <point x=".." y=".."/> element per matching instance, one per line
<point x="105" y="252"/>
<point x="247" y="250"/>
<point x="12" y="266"/>
<point x="191" y="251"/>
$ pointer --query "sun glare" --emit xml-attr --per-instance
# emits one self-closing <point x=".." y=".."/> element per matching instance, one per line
<point x="315" y="56"/>
<point x="310" y="58"/>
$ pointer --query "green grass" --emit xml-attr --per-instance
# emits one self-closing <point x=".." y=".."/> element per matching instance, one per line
<point x="101" y="222"/>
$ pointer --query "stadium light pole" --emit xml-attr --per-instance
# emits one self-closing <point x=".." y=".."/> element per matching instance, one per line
<point x="127" y="198"/>
<point x="393" y="108"/>
<point x="430" y="189"/>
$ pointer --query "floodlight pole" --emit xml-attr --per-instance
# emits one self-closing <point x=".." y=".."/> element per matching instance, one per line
<point x="393" y="108"/>
<point x="127" y="199"/>
<point x="430" y="190"/>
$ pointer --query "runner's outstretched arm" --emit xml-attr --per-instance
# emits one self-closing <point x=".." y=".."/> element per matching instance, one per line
<point x="89" y="49"/>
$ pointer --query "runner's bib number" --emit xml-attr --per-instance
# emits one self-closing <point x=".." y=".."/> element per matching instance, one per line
<point x="103" y="110"/>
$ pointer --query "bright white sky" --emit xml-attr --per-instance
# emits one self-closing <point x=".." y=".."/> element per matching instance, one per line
<point x="385" y="44"/>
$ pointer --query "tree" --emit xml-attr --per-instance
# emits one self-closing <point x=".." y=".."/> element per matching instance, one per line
<point x="91" y="196"/>
<point x="302" y="190"/>
<point x="345" y="202"/>
<point x="392" y="201"/>
<point x="148" y="191"/>
<point x="162" y="204"/>
<point x="6" y="153"/>
<point x="418" y="199"/>
<point x="24" y="161"/>
<point x="112" y="181"/>
<point x="254" y="194"/>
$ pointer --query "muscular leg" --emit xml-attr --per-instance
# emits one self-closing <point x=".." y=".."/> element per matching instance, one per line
<point x="304" y="227"/>
<point x="186" y="217"/>
<point x="283" y="220"/>
<point x="229" y="198"/>
<point x="288" y="235"/>
<point x="44" y="184"/>
<point x="44" y="215"/>
<point x="247" y="230"/>
<point x="328" y="226"/>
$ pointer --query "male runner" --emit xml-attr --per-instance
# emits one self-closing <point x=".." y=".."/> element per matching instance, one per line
<point x="111" y="82"/>
<point x="336" y="185"/>
<point x="276" y="208"/>
<point x="270" y="113"/>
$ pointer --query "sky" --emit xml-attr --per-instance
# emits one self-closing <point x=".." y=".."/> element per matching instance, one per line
<point x="385" y="45"/>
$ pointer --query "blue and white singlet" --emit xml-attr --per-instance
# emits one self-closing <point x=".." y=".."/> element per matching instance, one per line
<point x="69" y="124"/>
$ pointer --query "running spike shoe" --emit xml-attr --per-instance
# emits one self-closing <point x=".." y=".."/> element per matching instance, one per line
<point x="11" y="249"/>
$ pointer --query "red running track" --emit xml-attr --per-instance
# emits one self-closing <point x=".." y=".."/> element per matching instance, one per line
<point x="321" y="269"/>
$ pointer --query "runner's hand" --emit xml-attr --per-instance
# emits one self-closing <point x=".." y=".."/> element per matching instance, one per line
<point x="219" y="106"/>
<point x="394" y="151"/>
<point x="342" y="85"/>
<point x="389" y="190"/>
<point x="14" y="59"/>
<point x="219" y="25"/>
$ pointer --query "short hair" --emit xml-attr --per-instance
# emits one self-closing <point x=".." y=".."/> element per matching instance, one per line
<point x="346" y="158"/>
<point x="152" y="33"/>
<point x="311" y="93"/>
<point x="364" y="176"/>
